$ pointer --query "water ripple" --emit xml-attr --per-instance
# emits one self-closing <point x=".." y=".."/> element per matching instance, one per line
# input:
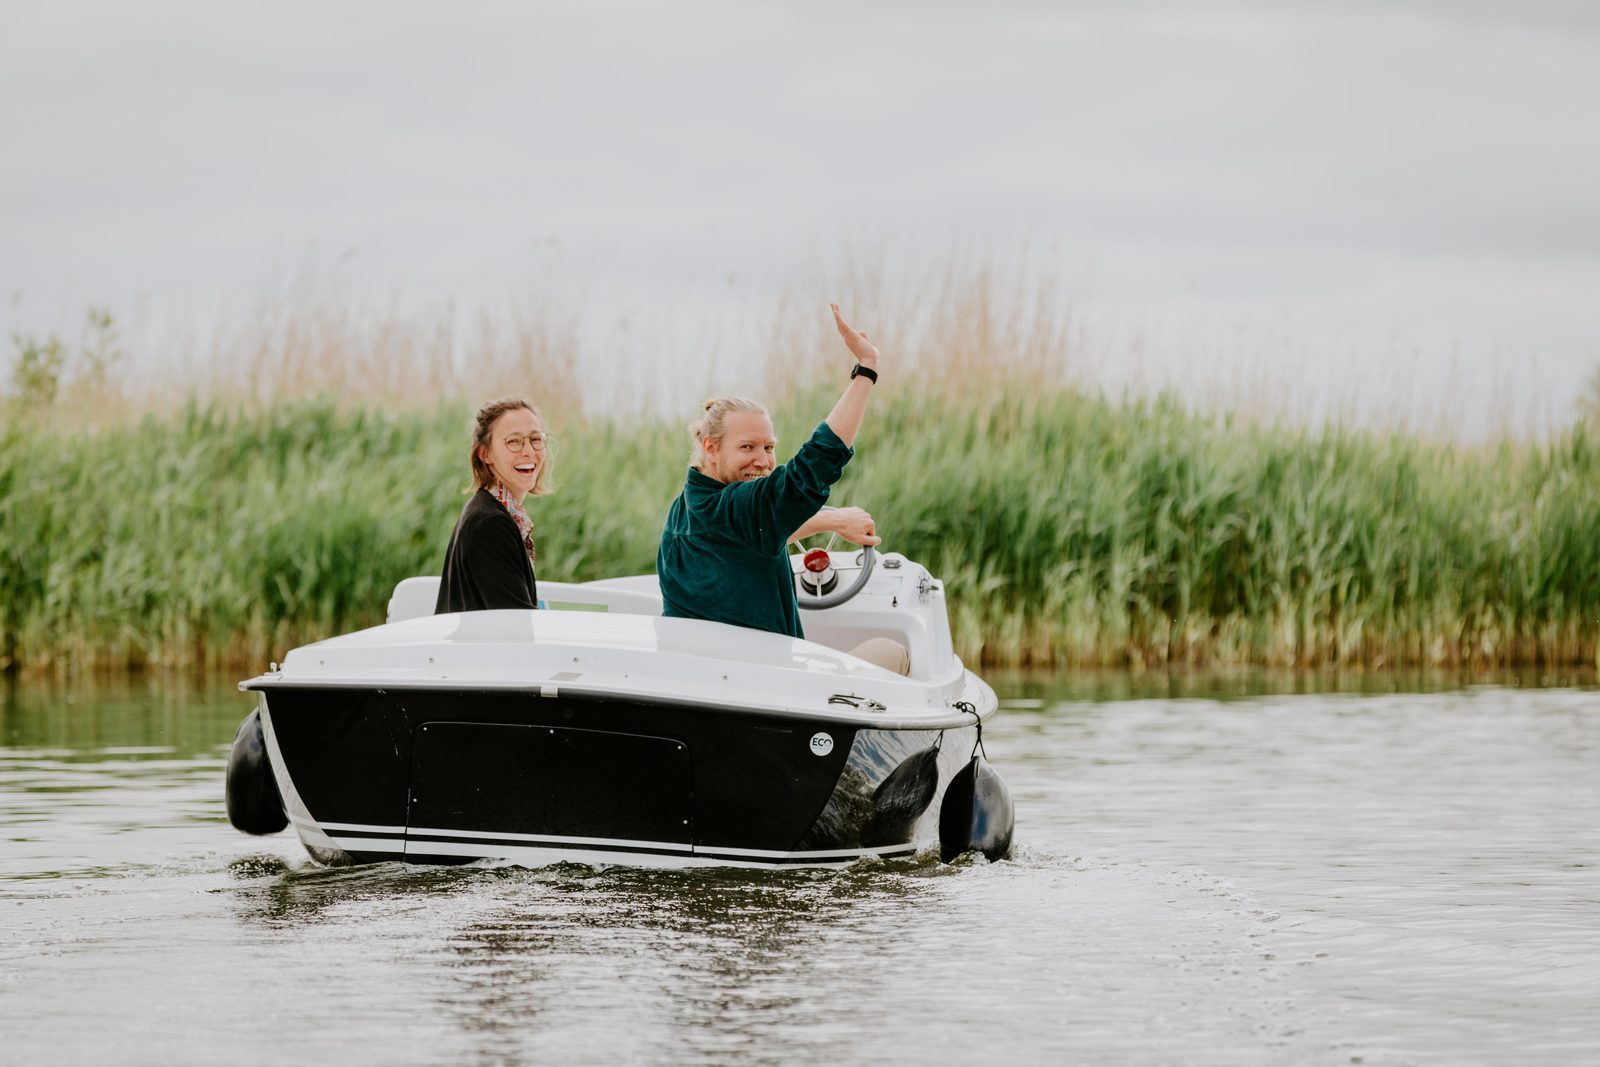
<point x="1376" y="878"/>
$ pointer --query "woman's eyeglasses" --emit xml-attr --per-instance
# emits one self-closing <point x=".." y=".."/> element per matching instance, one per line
<point x="517" y="442"/>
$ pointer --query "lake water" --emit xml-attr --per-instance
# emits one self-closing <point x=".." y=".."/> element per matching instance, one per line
<point x="1228" y="869"/>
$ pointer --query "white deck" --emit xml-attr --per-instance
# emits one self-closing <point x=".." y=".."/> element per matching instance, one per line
<point x="608" y="637"/>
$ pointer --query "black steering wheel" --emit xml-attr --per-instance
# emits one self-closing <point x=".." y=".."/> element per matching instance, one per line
<point x="817" y="587"/>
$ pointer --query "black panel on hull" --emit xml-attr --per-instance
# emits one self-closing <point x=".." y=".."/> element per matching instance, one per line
<point x="348" y="751"/>
<point x="759" y="781"/>
<point x="763" y="785"/>
<point x="552" y="781"/>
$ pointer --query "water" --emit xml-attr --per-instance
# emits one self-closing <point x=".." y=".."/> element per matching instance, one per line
<point x="1218" y="870"/>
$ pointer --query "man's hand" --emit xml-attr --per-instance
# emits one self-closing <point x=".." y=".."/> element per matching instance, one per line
<point x="852" y="524"/>
<point x="856" y="341"/>
<point x="855" y="526"/>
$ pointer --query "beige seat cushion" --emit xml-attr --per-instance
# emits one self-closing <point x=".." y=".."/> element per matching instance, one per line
<point x="884" y="652"/>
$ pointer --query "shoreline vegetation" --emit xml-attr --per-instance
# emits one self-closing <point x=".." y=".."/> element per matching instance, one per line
<point x="319" y="458"/>
<point x="1070" y="530"/>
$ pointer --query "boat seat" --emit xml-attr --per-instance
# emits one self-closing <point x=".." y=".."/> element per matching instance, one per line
<point x="413" y="598"/>
<point x="884" y="652"/>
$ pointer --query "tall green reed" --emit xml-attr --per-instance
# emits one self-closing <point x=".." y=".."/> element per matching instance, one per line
<point x="1067" y="529"/>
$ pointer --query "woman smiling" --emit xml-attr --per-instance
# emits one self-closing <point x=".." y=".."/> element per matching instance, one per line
<point x="489" y="563"/>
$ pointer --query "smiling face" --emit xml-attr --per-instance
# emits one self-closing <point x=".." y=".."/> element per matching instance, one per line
<point x="746" y="451"/>
<point x="515" y="450"/>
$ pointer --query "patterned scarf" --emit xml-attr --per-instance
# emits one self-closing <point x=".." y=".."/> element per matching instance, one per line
<point x="518" y="515"/>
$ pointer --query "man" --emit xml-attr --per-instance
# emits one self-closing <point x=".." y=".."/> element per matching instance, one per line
<point x="723" y="553"/>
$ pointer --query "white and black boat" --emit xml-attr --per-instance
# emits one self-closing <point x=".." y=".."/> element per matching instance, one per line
<point x="602" y="732"/>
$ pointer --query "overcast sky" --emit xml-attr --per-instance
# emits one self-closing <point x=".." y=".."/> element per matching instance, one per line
<point x="1403" y="189"/>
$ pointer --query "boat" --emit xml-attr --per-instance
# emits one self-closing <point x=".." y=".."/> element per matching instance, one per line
<point x="600" y="732"/>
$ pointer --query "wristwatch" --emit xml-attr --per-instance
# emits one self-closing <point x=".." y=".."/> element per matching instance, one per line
<point x="858" y="371"/>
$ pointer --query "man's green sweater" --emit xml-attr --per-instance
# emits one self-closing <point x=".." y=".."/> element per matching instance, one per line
<point x="723" y="550"/>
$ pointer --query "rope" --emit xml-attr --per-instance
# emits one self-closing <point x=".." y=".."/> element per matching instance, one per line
<point x="967" y="707"/>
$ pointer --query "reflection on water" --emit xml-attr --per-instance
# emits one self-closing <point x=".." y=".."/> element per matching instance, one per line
<point x="1248" y="683"/>
<point x="701" y="963"/>
<point x="1211" y="869"/>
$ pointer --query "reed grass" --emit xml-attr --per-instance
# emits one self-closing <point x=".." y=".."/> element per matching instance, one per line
<point x="1068" y="529"/>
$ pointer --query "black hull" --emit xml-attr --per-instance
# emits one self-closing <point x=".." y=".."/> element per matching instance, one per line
<point x="439" y="776"/>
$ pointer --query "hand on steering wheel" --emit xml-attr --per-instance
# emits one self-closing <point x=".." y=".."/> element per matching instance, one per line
<point x="816" y="578"/>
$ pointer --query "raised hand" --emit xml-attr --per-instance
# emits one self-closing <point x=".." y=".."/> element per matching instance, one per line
<point x="856" y="341"/>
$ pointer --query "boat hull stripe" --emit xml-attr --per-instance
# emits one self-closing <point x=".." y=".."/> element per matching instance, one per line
<point x="361" y="828"/>
<point x="369" y="844"/>
<point x="419" y="833"/>
<point x="420" y="851"/>
<point x="416" y="841"/>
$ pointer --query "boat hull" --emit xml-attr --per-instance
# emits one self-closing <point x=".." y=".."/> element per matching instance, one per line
<point x="434" y="775"/>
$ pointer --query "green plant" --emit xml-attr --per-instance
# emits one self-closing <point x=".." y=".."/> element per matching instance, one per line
<point x="1067" y="529"/>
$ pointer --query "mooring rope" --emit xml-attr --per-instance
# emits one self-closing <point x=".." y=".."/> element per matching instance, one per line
<point x="967" y="707"/>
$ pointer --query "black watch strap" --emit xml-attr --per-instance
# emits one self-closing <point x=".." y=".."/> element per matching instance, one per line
<point x="858" y="371"/>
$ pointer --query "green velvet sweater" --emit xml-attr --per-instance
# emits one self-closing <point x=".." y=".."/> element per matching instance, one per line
<point x="723" y="549"/>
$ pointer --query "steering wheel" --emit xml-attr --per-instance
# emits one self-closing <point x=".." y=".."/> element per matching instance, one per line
<point x="816" y="583"/>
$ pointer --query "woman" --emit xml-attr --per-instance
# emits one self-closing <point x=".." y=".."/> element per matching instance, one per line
<point x="723" y="548"/>
<point x="489" y="563"/>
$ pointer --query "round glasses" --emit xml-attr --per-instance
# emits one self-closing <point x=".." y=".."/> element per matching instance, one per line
<point x="517" y="442"/>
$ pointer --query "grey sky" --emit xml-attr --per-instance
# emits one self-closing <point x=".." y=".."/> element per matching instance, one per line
<point x="1417" y="175"/>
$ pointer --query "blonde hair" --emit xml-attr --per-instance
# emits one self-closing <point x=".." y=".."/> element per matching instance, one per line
<point x="711" y="426"/>
<point x="483" y="423"/>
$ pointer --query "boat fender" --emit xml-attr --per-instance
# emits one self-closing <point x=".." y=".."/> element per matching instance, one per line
<point x="901" y="798"/>
<point x="254" y="804"/>
<point x="976" y="815"/>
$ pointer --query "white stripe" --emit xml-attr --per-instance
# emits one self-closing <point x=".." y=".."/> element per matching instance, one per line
<point x="408" y="841"/>
<point x="487" y="835"/>
<point x="533" y="857"/>
<point x="370" y="844"/>
<point x="832" y="853"/>
<point x="300" y="820"/>
<point x="362" y="827"/>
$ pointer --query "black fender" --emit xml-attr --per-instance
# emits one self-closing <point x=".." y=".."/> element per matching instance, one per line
<point x="254" y="804"/>
<point x="976" y="813"/>
<point x="901" y="799"/>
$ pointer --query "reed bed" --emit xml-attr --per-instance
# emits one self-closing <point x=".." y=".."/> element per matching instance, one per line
<point x="1068" y="529"/>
